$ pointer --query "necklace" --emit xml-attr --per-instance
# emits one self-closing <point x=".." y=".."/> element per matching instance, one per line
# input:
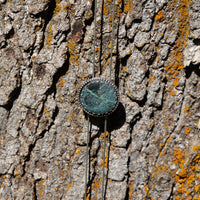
<point x="99" y="98"/>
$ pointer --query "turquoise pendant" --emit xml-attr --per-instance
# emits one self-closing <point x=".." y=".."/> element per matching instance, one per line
<point x="99" y="97"/>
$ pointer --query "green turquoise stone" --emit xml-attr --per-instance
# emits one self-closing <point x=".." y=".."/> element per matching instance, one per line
<point x="98" y="97"/>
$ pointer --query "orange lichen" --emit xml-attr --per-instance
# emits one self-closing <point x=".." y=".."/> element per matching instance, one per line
<point x="162" y="168"/>
<point x="197" y="188"/>
<point x="169" y="139"/>
<point x="78" y="151"/>
<point x="106" y="7"/>
<point x="89" y="198"/>
<point x="72" y="50"/>
<point x="131" y="195"/>
<point x="175" y="82"/>
<point x="49" y="37"/>
<point x="186" y="178"/>
<point x="97" y="48"/>
<point x="165" y="125"/>
<point x="96" y="185"/>
<point x="83" y="77"/>
<point x="151" y="125"/>
<point x="62" y="173"/>
<point x="196" y="198"/>
<point x="181" y="189"/>
<point x="41" y="187"/>
<point x="159" y="16"/>
<point x="186" y="109"/>
<point x="179" y="156"/>
<point x="57" y="9"/>
<point x="187" y="131"/>
<point x="161" y="145"/>
<point x="146" y="190"/>
<point x="195" y="148"/>
<point x="175" y="65"/>
<point x="69" y="185"/>
<point x="61" y="82"/>
<point x="128" y="7"/>
<point x="106" y="161"/>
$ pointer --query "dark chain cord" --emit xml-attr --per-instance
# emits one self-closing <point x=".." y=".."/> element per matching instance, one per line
<point x="105" y="122"/>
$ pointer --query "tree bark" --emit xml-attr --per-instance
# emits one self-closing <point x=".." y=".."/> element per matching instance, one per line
<point x="153" y="138"/>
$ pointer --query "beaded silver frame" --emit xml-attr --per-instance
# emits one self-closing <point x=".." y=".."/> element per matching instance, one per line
<point x="97" y="79"/>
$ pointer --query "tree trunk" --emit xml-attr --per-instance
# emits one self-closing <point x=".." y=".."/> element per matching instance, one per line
<point x="153" y="138"/>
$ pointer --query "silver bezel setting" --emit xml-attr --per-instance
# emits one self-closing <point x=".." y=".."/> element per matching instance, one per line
<point x="97" y="79"/>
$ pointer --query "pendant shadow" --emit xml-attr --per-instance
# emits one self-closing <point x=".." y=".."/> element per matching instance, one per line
<point x="115" y="121"/>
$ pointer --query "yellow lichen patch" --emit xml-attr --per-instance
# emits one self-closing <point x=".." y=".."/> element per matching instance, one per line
<point x="165" y="125"/>
<point x="162" y="168"/>
<point x="49" y="37"/>
<point x="195" y="148"/>
<point x="130" y="191"/>
<point x="57" y="9"/>
<point x="118" y="2"/>
<point x="97" y="49"/>
<point x="128" y="7"/>
<point x="187" y="131"/>
<point x="106" y="10"/>
<point x="41" y="187"/>
<point x="197" y="158"/>
<point x="175" y="82"/>
<point x="106" y="161"/>
<point x="175" y="65"/>
<point x="198" y="176"/>
<point x="96" y="185"/>
<point x="186" y="109"/>
<point x="66" y="7"/>
<point x="61" y="82"/>
<point x="186" y="178"/>
<point x="169" y="139"/>
<point x="72" y="50"/>
<point x="89" y="198"/>
<point x="146" y="190"/>
<point x="159" y="16"/>
<point x="181" y="189"/>
<point x="78" y="151"/>
<point x="197" y="188"/>
<point x="62" y="173"/>
<point x="69" y="185"/>
<point x="83" y="77"/>
<point x="179" y="156"/>
<point x="161" y="145"/>
<point x="16" y="174"/>
<point x="45" y="111"/>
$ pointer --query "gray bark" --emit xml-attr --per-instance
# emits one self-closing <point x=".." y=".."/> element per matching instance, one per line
<point x="46" y="54"/>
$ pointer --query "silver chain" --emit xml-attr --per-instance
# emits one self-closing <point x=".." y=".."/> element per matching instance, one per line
<point x="112" y="36"/>
<point x="105" y="122"/>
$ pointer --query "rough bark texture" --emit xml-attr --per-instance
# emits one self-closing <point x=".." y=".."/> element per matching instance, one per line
<point x="153" y="144"/>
